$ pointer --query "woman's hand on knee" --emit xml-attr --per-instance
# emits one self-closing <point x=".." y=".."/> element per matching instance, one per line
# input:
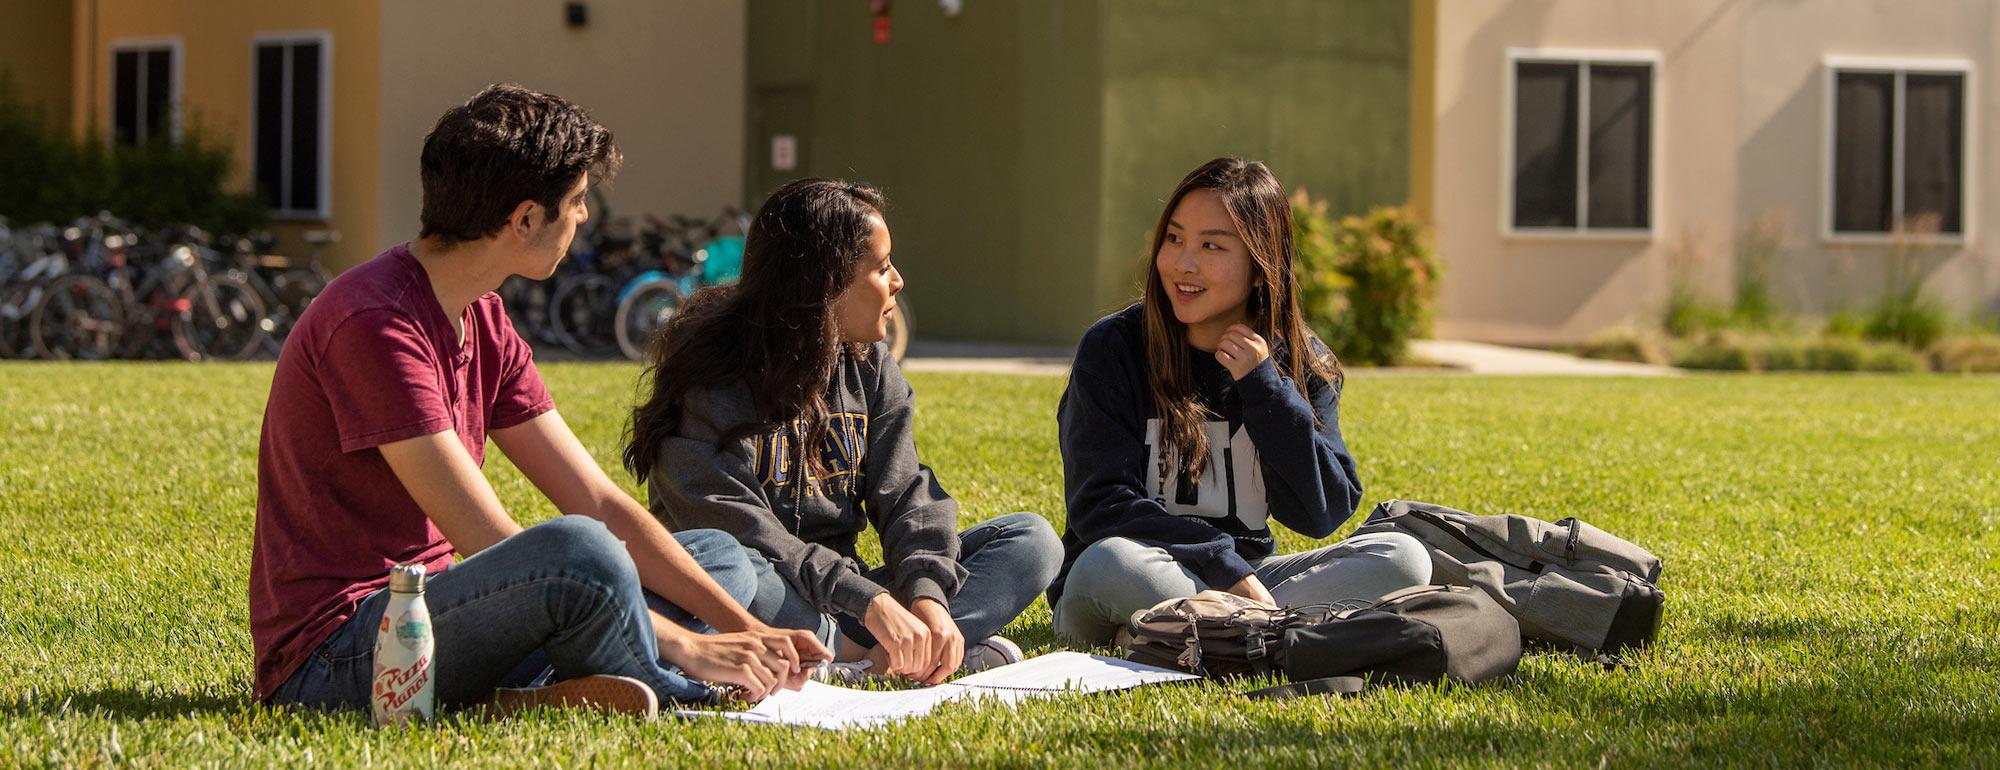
<point x="741" y="660"/>
<point x="791" y="653"/>
<point x="904" y="639"/>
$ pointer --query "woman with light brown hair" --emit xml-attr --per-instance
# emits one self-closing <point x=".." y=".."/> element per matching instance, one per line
<point x="1198" y="414"/>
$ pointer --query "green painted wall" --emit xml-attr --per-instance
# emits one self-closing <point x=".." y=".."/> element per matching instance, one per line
<point x="1026" y="146"/>
<point x="1317" y="89"/>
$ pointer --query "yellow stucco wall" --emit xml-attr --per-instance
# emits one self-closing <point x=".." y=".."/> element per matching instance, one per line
<point x="35" y="53"/>
<point x="667" y="77"/>
<point x="216" y="39"/>
<point x="1423" y="95"/>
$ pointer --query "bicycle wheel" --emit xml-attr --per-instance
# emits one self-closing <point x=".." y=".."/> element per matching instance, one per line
<point x="645" y="309"/>
<point x="222" y="321"/>
<point x="17" y="301"/>
<point x="289" y="294"/>
<point x="79" y="317"/>
<point x="527" y="305"/>
<point x="296" y="289"/>
<point x="581" y="313"/>
<point x="898" y="338"/>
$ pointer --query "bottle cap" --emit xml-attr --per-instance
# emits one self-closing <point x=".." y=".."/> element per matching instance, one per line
<point x="407" y="578"/>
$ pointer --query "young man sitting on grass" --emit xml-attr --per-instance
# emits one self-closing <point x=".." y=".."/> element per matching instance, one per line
<point x="383" y="400"/>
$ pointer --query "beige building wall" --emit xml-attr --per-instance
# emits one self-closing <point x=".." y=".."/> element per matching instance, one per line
<point x="667" y="76"/>
<point x="216" y="39"/>
<point x="1739" y="138"/>
<point x="1782" y="144"/>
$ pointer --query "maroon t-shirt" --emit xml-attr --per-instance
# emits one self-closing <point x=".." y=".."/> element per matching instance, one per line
<point x="372" y="361"/>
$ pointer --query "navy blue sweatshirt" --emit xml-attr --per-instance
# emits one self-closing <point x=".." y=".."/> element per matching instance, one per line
<point x="1272" y="453"/>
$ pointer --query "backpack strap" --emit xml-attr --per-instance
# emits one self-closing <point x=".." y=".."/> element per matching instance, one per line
<point x="1332" y="685"/>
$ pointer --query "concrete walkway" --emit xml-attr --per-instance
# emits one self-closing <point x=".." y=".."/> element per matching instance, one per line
<point x="987" y="358"/>
<point x="1481" y="358"/>
<point x="1455" y="356"/>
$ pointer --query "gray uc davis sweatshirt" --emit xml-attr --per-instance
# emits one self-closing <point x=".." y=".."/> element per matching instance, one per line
<point x="751" y="488"/>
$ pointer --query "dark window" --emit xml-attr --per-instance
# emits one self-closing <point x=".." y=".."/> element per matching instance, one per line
<point x="1607" y="107"/>
<point x="1621" y="99"/>
<point x="290" y="89"/>
<point x="142" y="93"/>
<point x="1545" y="145"/>
<point x="1934" y="150"/>
<point x="1898" y="151"/>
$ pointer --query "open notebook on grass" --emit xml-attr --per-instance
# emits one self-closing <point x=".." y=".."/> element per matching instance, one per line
<point x="834" y="708"/>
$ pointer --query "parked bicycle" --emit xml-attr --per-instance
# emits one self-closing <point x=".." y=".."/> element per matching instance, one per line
<point x="31" y="259"/>
<point x="285" y="284"/>
<point x="619" y="286"/>
<point x="132" y="297"/>
<point x="693" y="254"/>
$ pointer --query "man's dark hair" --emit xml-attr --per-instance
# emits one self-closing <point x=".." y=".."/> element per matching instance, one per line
<point x="506" y="145"/>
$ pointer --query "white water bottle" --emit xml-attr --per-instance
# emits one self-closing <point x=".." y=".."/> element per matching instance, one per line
<point x="404" y="686"/>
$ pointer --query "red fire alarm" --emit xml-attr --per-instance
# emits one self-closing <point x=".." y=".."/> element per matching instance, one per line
<point x="880" y="9"/>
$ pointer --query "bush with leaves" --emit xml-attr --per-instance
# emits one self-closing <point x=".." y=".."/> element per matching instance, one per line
<point x="1626" y="343"/>
<point x="1368" y="283"/>
<point x="1974" y="354"/>
<point x="48" y="175"/>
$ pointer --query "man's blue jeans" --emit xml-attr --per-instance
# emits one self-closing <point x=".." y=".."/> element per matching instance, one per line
<point x="561" y="594"/>
<point x="1008" y="560"/>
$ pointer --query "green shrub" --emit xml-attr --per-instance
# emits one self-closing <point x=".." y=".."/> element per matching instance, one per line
<point x="1757" y="252"/>
<point x="1626" y="344"/>
<point x="1909" y="317"/>
<point x="1322" y="287"/>
<point x="1689" y="312"/>
<point x="1780" y="354"/>
<point x="1836" y="354"/>
<point x="1845" y="324"/>
<point x="1906" y="313"/>
<point x="1381" y="286"/>
<point x="1688" y="315"/>
<point x="1729" y="351"/>
<point x="1717" y="351"/>
<point x="47" y="175"/>
<point x="1965" y="355"/>
<point x="1891" y="358"/>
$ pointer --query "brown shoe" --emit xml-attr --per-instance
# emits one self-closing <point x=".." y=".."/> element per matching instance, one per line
<point x="603" y="692"/>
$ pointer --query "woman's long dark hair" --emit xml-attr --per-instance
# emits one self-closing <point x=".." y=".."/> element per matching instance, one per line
<point x="774" y="330"/>
<point x="1263" y="219"/>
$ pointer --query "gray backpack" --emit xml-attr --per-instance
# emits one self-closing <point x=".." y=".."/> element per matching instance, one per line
<point x="1416" y="635"/>
<point x="1568" y="583"/>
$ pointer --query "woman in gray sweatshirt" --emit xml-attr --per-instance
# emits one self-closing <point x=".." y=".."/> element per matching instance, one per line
<point x="776" y="415"/>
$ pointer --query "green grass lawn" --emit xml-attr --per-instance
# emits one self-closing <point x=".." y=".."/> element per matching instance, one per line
<point x="1830" y="553"/>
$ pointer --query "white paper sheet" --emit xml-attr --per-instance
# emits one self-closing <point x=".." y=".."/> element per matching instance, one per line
<point x="836" y="708"/>
<point x="1070" y="672"/>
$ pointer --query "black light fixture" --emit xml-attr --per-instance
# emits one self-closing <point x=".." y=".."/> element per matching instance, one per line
<point x="576" y="14"/>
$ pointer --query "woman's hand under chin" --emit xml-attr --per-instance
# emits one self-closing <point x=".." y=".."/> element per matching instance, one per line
<point x="1241" y="350"/>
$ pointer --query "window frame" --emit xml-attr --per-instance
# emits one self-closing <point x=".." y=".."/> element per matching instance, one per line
<point x="1831" y="68"/>
<point x="176" y="48"/>
<point x="1509" y="118"/>
<point x="325" y="150"/>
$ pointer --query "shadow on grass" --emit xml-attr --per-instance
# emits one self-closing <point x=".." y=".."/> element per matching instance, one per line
<point x="1810" y="723"/>
<point x="122" y="703"/>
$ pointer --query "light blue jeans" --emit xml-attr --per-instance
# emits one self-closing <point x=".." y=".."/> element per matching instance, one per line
<point x="562" y="594"/>
<point x="1009" y="560"/>
<point x="1116" y="577"/>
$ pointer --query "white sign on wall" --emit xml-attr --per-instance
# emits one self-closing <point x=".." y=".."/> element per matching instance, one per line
<point x="784" y="152"/>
